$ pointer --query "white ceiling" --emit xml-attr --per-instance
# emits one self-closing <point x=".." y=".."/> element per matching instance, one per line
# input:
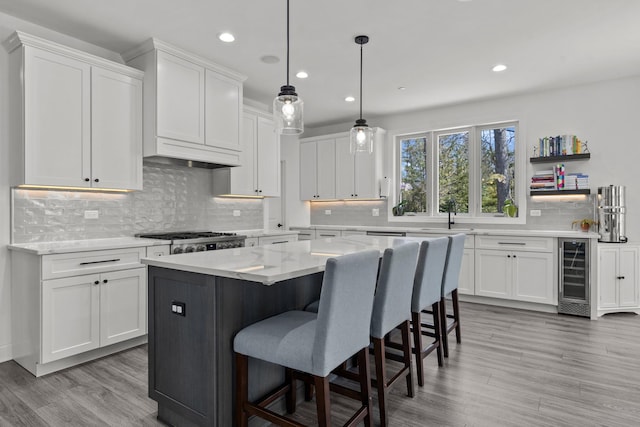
<point x="442" y="51"/>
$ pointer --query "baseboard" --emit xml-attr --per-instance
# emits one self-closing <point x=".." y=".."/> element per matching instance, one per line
<point x="6" y="353"/>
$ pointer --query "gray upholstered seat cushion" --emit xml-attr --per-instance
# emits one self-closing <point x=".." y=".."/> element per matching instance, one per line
<point x="318" y="343"/>
<point x="286" y="339"/>
<point x="427" y="287"/>
<point x="392" y="302"/>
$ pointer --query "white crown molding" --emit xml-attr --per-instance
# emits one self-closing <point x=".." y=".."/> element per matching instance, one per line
<point x="156" y="44"/>
<point x="20" y="38"/>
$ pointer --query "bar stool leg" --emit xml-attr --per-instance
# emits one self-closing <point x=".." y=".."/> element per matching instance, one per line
<point x="381" y="379"/>
<point x="406" y="350"/>
<point x="242" y="389"/>
<point x="437" y="330"/>
<point x="365" y="384"/>
<point x="291" y="393"/>
<point x="417" y="344"/>
<point x="323" y="403"/>
<point x="443" y="317"/>
<point x="456" y="314"/>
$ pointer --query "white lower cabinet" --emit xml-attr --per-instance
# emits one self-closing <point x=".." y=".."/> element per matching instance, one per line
<point x="82" y="313"/>
<point x="274" y="240"/>
<point x="521" y="275"/>
<point x="618" y="278"/>
<point x="69" y="308"/>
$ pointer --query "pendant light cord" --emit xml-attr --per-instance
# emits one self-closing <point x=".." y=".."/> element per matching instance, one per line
<point x="287" y="42"/>
<point x="360" y="82"/>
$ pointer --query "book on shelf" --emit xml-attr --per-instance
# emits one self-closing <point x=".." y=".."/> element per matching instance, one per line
<point x="561" y="145"/>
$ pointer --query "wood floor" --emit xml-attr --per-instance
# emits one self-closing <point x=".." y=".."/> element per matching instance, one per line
<point x="513" y="368"/>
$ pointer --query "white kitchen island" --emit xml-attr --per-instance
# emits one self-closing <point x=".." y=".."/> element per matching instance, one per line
<point x="199" y="301"/>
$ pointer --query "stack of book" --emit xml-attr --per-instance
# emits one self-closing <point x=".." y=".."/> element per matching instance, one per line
<point x="577" y="181"/>
<point x="543" y="180"/>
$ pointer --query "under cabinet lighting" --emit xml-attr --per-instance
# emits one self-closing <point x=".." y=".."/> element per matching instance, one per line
<point x="559" y="197"/>
<point x="59" y="188"/>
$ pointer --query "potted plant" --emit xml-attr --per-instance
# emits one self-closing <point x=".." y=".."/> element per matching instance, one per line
<point x="398" y="210"/>
<point x="584" y="223"/>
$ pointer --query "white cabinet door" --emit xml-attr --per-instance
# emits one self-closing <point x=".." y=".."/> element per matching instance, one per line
<point x="493" y="273"/>
<point x="268" y="158"/>
<point x="326" y="169"/>
<point x="155" y="251"/>
<point x="533" y="277"/>
<point x="223" y="106"/>
<point x="308" y="171"/>
<point x="123" y="305"/>
<point x="70" y="316"/>
<point x="116" y="130"/>
<point x="345" y="170"/>
<point x="243" y="178"/>
<point x="466" y="283"/>
<point x="180" y="98"/>
<point x="57" y="122"/>
<point x="608" y="278"/>
<point x="365" y="182"/>
<point x="628" y="273"/>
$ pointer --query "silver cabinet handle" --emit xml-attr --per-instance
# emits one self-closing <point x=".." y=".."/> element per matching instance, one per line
<point x="100" y="262"/>
<point x="512" y="243"/>
<point x="387" y="233"/>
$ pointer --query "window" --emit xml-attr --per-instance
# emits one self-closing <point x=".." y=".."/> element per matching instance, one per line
<point x="472" y="171"/>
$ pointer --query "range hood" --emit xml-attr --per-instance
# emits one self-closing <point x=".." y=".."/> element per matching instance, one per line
<point x="174" y="161"/>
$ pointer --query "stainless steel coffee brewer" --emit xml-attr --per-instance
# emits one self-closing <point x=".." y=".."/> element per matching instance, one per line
<point x="611" y="214"/>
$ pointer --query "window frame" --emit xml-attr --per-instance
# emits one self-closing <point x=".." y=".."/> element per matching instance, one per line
<point x="475" y="214"/>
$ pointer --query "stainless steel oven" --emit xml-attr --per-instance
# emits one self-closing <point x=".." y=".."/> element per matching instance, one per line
<point x="198" y="241"/>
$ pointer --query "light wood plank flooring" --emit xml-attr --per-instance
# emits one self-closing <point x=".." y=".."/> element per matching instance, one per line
<point x="513" y="368"/>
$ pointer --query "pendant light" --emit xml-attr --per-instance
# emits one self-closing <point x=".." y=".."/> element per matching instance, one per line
<point x="287" y="106"/>
<point x="361" y="135"/>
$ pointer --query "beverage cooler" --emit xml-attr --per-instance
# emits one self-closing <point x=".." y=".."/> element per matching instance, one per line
<point x="574" y="296"/>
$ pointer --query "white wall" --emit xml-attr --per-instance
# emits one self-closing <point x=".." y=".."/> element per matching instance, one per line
<point x="602" y="113"/>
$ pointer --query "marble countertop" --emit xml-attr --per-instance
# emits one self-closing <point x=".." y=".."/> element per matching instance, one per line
<point x="47" y="248"/>
<point x="273" y="263"/>
<point x="471" y="231"/>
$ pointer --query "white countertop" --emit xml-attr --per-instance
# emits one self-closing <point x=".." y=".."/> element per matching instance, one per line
<point x="47" y="248"/>
<point x="273" y="263"/>
<point x="470" y="231"/>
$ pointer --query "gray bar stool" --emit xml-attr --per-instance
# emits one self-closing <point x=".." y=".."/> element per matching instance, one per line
<point x="427" y="292"/>
<point x="450" y="286"/>
<point x="311" y="345"/>
<point x="392" y="309"/>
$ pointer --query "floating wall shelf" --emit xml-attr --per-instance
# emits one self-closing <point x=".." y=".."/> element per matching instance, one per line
<point x="553" y="159"/>
<point x="558" y="192"/>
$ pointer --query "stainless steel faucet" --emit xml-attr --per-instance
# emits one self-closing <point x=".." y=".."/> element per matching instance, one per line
<point x="451" y="207"/>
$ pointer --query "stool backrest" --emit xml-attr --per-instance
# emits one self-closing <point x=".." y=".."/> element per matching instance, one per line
<point x="427" y="284"/>
<point x="344" y="312"/>
<point x="454" y="263"/>
<point x="392" y="301"/>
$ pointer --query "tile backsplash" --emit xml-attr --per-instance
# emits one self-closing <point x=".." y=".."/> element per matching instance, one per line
<point x="174" y="198"/>
<point x="556" y="213"/>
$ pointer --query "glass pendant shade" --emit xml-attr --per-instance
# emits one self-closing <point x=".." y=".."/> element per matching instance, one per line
<point x="361" y="138"/>
<point x="288" y="112"/>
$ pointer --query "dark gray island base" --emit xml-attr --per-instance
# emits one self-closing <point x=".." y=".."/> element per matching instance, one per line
<point x="192" y="321"/>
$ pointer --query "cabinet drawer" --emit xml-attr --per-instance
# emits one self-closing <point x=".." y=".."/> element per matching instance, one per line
<point x="538" y="244"/>
<point x="323" y="234"/>
<point x="274" y="240"/>
<point x="306" y="234"/>
<point x="76" y="263"/>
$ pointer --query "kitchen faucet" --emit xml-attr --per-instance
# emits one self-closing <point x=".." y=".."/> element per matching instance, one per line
<point x="451" y="206"/>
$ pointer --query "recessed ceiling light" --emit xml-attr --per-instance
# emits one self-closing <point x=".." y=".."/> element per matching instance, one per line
<point x="270" y="59"/>
<point x="302" y="75"/>
<point x="349" y="99"/>
<point x="226" y="37"/>
<point x="401" y="88"/>
<point x="499" y="67"/>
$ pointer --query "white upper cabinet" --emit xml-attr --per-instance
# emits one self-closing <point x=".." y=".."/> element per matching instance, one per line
<point x="76" y="118"/>
<point x="317" y="169"/>
<point x="192" y="107"/>
<point x="351" y="176"/>
<point x="180" y="90"/>
<point x="259" y="174"/>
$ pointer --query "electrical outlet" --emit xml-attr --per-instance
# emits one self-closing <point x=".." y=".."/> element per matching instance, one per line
<point x="91" y="214"/>
<point x="375" y="212"/>
<point x="327" y="211"/>
<point x="236" y="212"/>
<point x="535" y="212"/>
